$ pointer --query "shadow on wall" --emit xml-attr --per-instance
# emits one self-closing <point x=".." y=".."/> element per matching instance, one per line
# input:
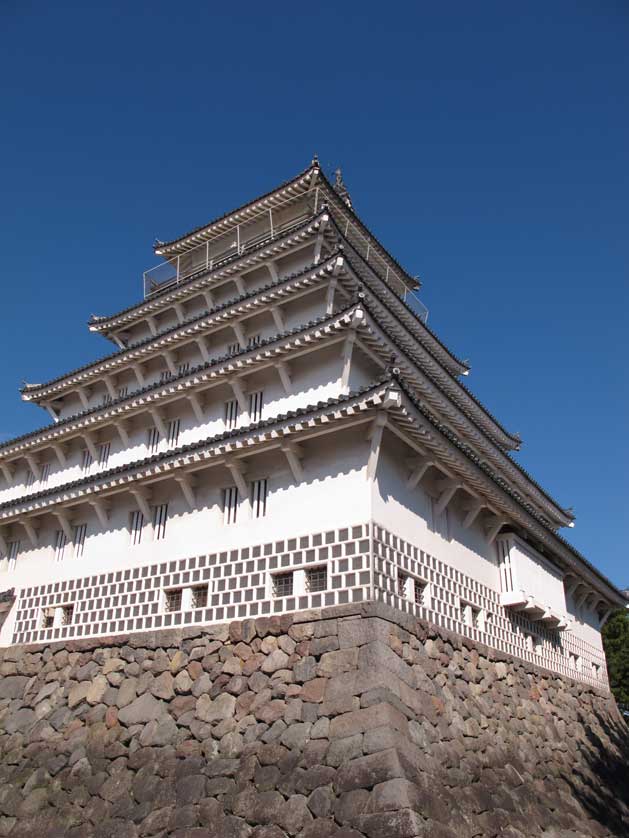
<point x="600" y="781"/>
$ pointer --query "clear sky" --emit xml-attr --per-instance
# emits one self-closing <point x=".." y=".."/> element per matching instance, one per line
<point x="486" y="144"/>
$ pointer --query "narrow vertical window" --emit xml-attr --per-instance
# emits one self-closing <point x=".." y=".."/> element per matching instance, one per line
<point x="230" y="505"/>
<point x="402" y="584"/>
<point x="137" y="523"/>
<point x="182" y="369"/>
<point x="173" y="432"/>
<point x="67" y="615"/>
<point x="60" y="545"/>
<point x="231" y="414"/>
<point x="419" y="592"/>
<point x="107" y="400"/>
<point x="47" y="618"/>
<point x="103" y="454"/>
<point x="232" y="348"/>
<point x="164" y="376"/>
<point x="255" y="406"/>
<point x="252" y="341"/>
<point x="160" y="516"/>
<point x="122" y="392"/>
<point x="86" y="460"/>
<point x="45" y="474"/>
<point x="78" y="539"/>
<point x="153" y="440"/>
<point x="13" y="549"/>
<point x="258" y="498"/>
<point x="30" y="478"/>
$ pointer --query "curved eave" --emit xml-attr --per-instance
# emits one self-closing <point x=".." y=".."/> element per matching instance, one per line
<point x="389" y="394"/>
<point x="310" y="275"/>
<point x="202" y="279"/>
<point x="243" y="213"/>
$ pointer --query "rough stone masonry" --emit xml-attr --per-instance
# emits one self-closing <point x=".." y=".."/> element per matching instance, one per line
<point x="348" y="722"/>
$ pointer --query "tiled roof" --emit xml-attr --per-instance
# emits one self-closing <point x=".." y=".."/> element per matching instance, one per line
<point x="313" y="167"/>
<point x="216" y="362"/>
<point x="94" y="319"/>
<point x="387" y="380"/>
<point x="29" y="388"/>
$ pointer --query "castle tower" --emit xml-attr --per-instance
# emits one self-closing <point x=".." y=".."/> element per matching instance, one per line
<point x="278" y="429"/>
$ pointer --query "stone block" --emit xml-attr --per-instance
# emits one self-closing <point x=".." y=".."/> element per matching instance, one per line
<point x="358" y="721"/>
<point x="367" y="771"/>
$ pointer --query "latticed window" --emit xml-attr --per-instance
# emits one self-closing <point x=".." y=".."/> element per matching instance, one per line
<point x="252" y="341"/>
<point x="164" y="376"/>
<point x="30" y="478"/>
<point x="122" y="392"/>
<point x="172" y="600"/>
<point x="47" y="618"/>
<point x="258" y="498"/>
<point x="316" y="579"/>
<point x="153" y="440"/>
<point x="79" y="534"/>
<point x="45" y="473"/>
<point x="199" y="597"/>
<point x="173" y="432"/>
<point x="283" y="584"/>
<point x="231" y="414"/>
<point x="255" y="405"/>
<point x="103" y="454"/>
<point x="402" y="582"/>
<point x="419" y="592"/>
<point x="137" y="523"/>
<point x="160" y="516"/>
<point x="230" y="505"/>
<point x="67" y="615"/>
<point x="232" y="348"/>
<point x="60" y="545"/>
<point x="182" y="369"/>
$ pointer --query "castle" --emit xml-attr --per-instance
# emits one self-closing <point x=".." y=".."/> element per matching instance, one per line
<point x="277" y="429"/>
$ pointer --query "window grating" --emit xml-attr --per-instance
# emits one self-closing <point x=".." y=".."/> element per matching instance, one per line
<point x="153" y="440"/>
<point x="255" y="405"/>
<point x="233" y="348"/>
<point x="164" y="376"/>
<point x="122" y="392"/>
<point x="13" y="549"/>
<point x="182" y="369"/>
<point x="316" y="579"/>
<point x="60" y="545"/>
<point x="230" y="505"/>
<point x="86" y="460"/>
<point x="172" y="600"/>
<point x="103" y="454"/>
<point x="258" y="498"/>
<point x="160" y="516"/>
<point x="47" y="618"/>
<point x="67" y="615"/>
<point x="231" y="414"/>
<point x="283" y="584"/>
<point x="137" y="523"/>
<point x="45" y="473"/>
<point x="173" y="432"/>
<point x="252" y="341"/>
<point x="402" y="581"/>
<point x="80" y="531"/>
<point x="199" y="597"/>
<point x="30" y="478"/>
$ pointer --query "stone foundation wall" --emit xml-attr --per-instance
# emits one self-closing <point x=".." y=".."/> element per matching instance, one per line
<point x="346" y="722"/>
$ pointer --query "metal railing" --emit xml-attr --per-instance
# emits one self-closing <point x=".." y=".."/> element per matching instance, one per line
<point x="213" y="253"/>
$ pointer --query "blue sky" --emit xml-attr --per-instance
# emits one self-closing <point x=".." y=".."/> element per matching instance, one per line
<point x="486" y="144"/>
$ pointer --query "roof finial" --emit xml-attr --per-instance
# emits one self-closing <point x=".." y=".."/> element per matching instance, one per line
<point x="340" y="188"/>
<point x="315" y="159"/>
